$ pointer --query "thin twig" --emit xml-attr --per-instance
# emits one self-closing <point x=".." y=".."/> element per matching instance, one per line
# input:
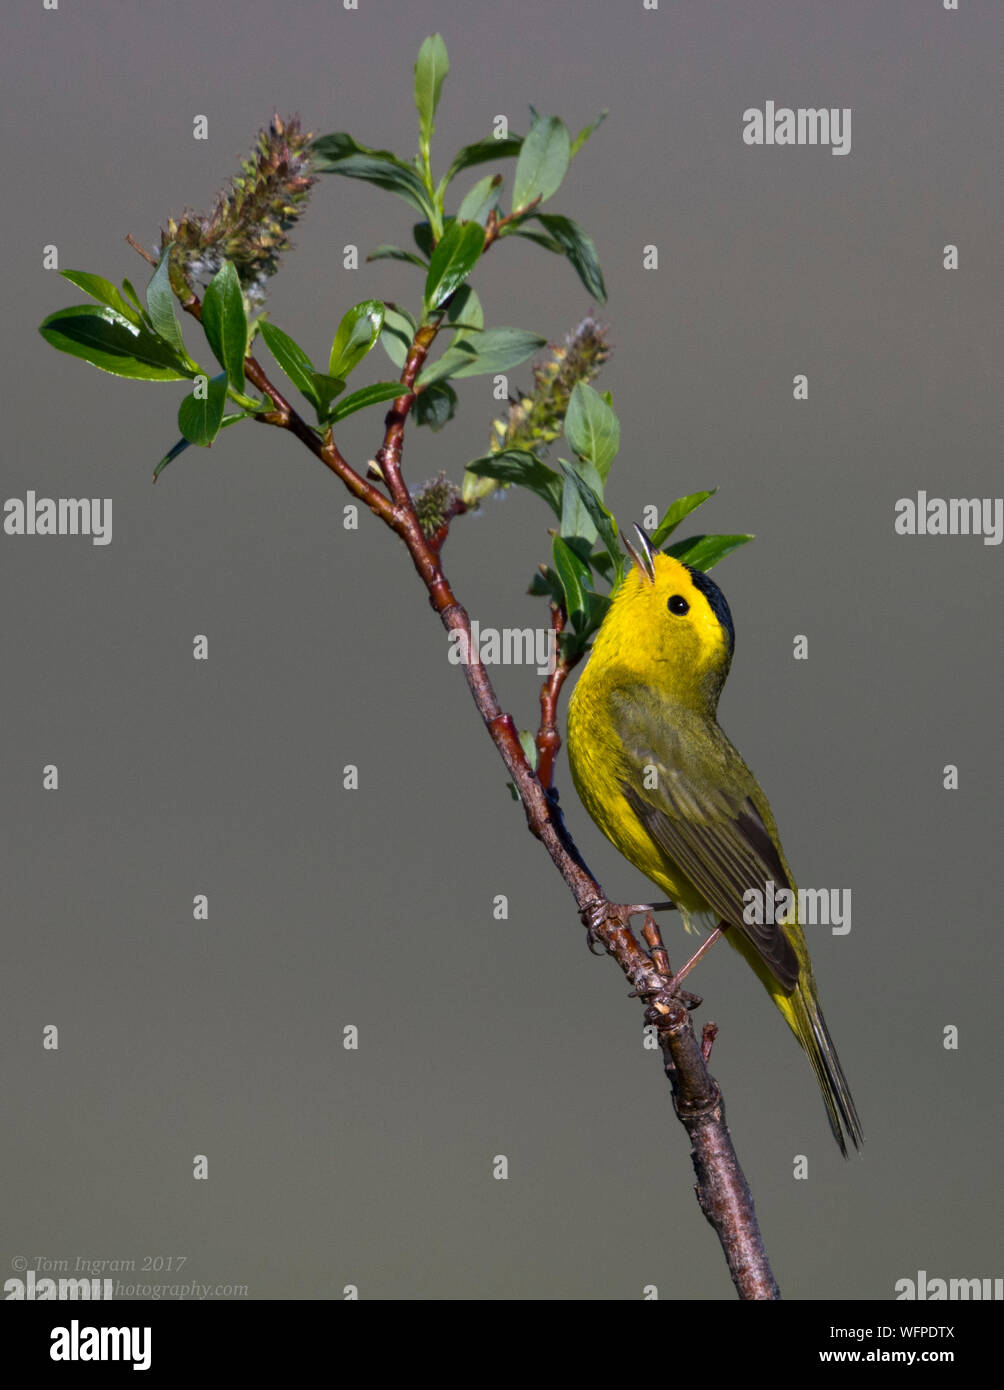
<point x="548" y="736"/>
<point x="495" y="224"/>
<point x="152" y="260"/>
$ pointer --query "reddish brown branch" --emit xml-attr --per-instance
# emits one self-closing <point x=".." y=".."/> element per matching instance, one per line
<point x="722" y="1190"/>
<point x="495" y="224"/>
<point x="548" y="736"/>
<point x="389" y="455"/>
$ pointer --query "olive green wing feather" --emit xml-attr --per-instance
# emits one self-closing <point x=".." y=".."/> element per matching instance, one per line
<point x="702" y="814"/>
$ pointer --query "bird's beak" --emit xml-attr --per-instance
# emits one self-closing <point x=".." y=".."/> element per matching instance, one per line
<point x="643" y="556"/>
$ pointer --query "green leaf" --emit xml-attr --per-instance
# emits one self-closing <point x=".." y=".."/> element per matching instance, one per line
<point x="592" y="428"/>
<point x="577" y="245"/>
<point x="585" y="133"/>
<point x="398" y="331"/>
<point x="604" y="565"/>
<point x="465" y="310"/>
<point x="576" y="520"/>
<point x="703" y="552"/>
<point x="104" y="338"/>
<point x="452" y="261"/>
<point x="184" y="444"/>
<point x="541" y="238"/>
<point x="327" y="388"/>
<point x="357" y="334"/>
<point x="483" y="152"/>
<point x="682" y="507"/>
<point x="480" y="200"/>
<point x="160" y="302"/>
<point x="199" y="420"/>
<point x="453" y="359"/>
<point x="293" y="361"/>
<point x="521" y="467"/>
<point x="529" y="745"/>
<point x="134" y="299"/>
<point x="367" y="395"/>
<point x="104" y="292"/>
<point x="430" y="71"/>
<point x="225" y="323"/>
<point x="542" y="162"/>
<point x="424" y="240"/>
<point x="339" y="153"/>
<point x="573" y="574"/>
<point x="395" y="253"/>
<point x="435" y="405"/>
<point x="597" y="607"/>
<point x="602" y="519"/>
<point x="498" y="349"/>
<point x="171" y="455"/>
<point x="546" y="584"/>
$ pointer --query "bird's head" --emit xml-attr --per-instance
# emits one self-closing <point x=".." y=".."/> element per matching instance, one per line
<point x="670" y="625"/>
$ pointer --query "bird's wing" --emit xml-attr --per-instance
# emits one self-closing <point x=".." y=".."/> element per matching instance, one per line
<point x="702" y="816"/>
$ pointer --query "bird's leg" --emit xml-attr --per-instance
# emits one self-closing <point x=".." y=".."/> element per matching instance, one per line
<point x="701" y="951"/>
<point x="594" y="914"/>
<point x="653" y="938"/>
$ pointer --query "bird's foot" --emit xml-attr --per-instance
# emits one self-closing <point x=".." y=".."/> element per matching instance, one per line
<point x="674" y="979"/>
<point x="667" y="994"/>
<point x="689" y="1001"/>
<point x="595" y="914"/>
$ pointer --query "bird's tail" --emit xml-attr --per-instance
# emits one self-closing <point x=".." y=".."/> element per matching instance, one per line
<point x="804" y="1017"/>
<point x="801" y="1009"/>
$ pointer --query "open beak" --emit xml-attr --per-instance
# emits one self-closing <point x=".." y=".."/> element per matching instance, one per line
<point x="642" y="556"/>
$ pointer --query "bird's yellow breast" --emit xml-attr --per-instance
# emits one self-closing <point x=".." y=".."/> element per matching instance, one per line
<point x="596" y="760"/>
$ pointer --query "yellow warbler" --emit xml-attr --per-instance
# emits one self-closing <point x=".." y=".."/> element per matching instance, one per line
<point x="664" y="784"/>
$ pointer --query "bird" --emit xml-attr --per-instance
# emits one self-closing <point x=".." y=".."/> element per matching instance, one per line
<point x="662" y="781"/>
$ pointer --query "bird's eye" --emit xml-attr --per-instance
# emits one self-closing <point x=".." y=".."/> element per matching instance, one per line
<point x="678" y="605"/>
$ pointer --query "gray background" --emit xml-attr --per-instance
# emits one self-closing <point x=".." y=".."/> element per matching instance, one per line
<point x="373" y="908"/>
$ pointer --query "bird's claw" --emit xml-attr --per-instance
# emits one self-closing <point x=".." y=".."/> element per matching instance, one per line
<point x="689" y="1001"/>
<point x="670" y="992"/>
<point x="595" y="914"/>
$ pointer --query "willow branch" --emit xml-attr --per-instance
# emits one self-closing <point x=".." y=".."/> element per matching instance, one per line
<point x="722" y="1190"/>
<point x="548" y="739"/>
